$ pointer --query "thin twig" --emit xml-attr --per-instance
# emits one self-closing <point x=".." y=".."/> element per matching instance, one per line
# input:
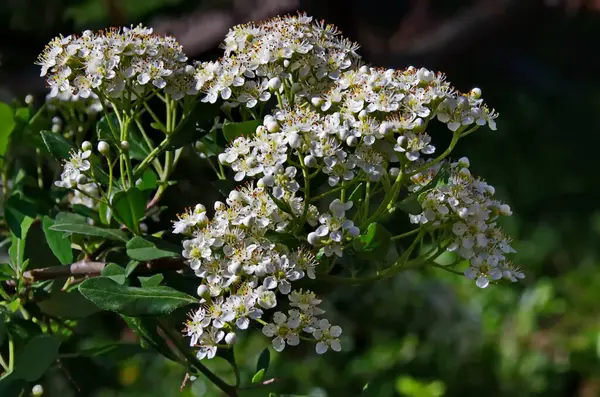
<point x="88" y="268"/>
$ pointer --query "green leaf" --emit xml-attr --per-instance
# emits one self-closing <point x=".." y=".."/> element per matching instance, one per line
<point x="131" y="266"/>
<point x="146" y="329"/>
<point x="103" y="130"/>
<point x="115" y="272"/>
<point x="148" y="181"/>
<point x="11" y="386"/>
<point x="88" y="230"/>
<point x="133" y="301"/>
<point x="263" y="360"/>
<point x="129" y="207"/>
<point x="69" y="217"/>
<point x="152" y="281"/>
<point x="19" y="213"/>
<point x="23" y="114"/>
<point x="3" y="317"/>
<point x="150" y="248"/>
<point x="60" y="246"/>
<point x="36" y="358"/>
<point x="195" y="126"/>
<point x="374" y="242"/>
<point x="287" y="239"/>
<point x="7" y="125"/>
<point x="258" y="376"/>
<point x="6" y="273"/>
<point x="57" y="145"/>
<point x="245" y="128"/>
<point x="104" y="213"/>
<point x="67" y="305"/>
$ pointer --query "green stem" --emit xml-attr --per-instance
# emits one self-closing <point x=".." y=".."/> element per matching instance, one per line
<point x="11" y="353"/>
<point x="449" y="149"/>
<point x="155" y="163"/>
<point x="401" y="236"/>
<point x="3" y="363"/>
<point x="193" y="361"/>
<point x="327" y="193"/>
<point x="367" y="198"/>
<point x="154" y="117"/>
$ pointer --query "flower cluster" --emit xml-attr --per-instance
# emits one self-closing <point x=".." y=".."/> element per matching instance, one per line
<point x="113" y="60"/>
<point x="243" y="269"/>
<point x="260" y="59"/>
<point x="466" y="206"/>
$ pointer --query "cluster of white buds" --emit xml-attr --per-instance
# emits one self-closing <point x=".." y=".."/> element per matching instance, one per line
<point x="244" y="268"/>
<point x="65" y="100"/>
<point x="114" y="62"/>
<point x="263" y="58"/>
<point x="465" y="205"/>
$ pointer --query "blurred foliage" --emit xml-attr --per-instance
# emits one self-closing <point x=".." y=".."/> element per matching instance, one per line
<point x="415" y="335"/>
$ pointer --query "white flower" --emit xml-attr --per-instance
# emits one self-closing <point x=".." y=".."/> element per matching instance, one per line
<point x="77" y="164"/>
<point x="282" y="330"/>
<point x="194" y="327"/>
<point x="208" y="343"/>
<point x="327" y="337"/>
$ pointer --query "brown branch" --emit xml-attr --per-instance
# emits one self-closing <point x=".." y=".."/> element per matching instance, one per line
<point x="88" y="268"/>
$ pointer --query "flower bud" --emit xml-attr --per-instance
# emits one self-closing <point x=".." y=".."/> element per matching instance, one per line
<point x="505" y="210"/>
<point x="286" y="63"/>
<point x="219" y="206"/>
<point x="394" y="172"/>
<point x="352" y="140"/>
<point x="86" y="145"/>
<point x="490" y="190"/>
<point x="272" y="125"/>
<point x="37" y="390"/>
<point x="203" y="291"/>
<point x="104" y="148"/>
<point x="476" y="93"/>
<point x="124" y="146"/>
<point x="418" y="125"/>
<point x="274" y="84"/>
<point x="199" y="208"/>
<point x="424" y="75"/>
<point x="294" y="140"/>
<point x="56" y="120"/>
<point x="464" y="173"/>
<point x="56" y="128"/>
<point x="363" y="69"/>
<point x="29" y="99"/>
<point x="310" y="161"/>
<point x="362" y="114"/>
<point x="82" y="179"/>
<point x="316" y="101"/>
<point x="199" y="146"/>
<point x="463" y="162"/>
<point x="230" y="338"/>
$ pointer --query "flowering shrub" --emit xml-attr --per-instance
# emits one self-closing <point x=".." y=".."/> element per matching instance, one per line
<point x="319" y="153"/>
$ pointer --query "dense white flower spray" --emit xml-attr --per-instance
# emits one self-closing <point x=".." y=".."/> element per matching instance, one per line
<point x="336" y="148"/>
<point x="353" y="125"/>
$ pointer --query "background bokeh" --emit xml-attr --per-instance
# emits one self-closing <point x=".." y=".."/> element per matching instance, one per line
<point x="419" y="334"/>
